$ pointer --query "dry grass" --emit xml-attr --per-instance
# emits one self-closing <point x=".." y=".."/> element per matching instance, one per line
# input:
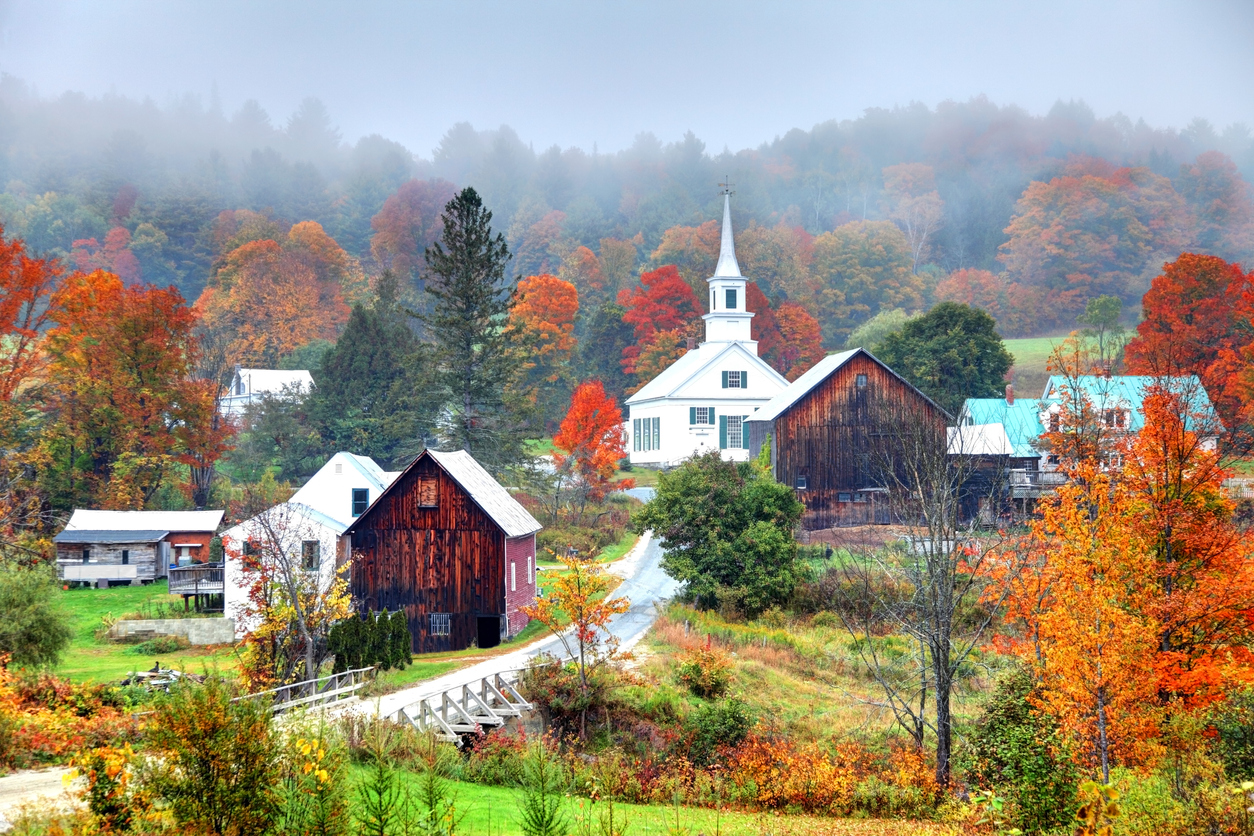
<point x="800" y="678"/>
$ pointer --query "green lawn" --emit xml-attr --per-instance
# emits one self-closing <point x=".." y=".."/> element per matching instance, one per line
<point x="494" y="811"/>
<point x="89" y="660"/>
<point x="1031" y="355"/>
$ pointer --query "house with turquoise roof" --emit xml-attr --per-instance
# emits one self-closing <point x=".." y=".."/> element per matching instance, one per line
<point x="1010" y="429"/>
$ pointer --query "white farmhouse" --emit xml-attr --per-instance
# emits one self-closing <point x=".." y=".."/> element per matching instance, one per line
<point x="310" y="526"/>
<point x="702" y="401"/>
<point x="251" y="385"/>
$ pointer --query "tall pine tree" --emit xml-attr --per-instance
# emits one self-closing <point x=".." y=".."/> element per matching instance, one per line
<point x="472" y="362"/>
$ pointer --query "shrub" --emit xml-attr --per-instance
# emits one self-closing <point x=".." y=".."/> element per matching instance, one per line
<point x="216" y="759"/>
<point x="1017" y="751"/>
<point x="706" y="671"/>
<point x="34" y="629"/>
<point x="111" y="793"/>
<point x="556" y="688"/>
<point x="716" y="725"/>
<point x="497" y="758"/>
<point x="380" y="639"/>
<point x="1233" y="721"/>
<point x="160" y="644"/>
<point x="313" y="793"/>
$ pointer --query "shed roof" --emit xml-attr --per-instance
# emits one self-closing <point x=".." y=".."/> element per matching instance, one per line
<point x="817" y="373"/>
<point x="487" y="493"/>
<point x="979" y="440"/>
<point x="84" y="519"/>
<point x="1021" y="421"/>
<point x="85" y="535"/>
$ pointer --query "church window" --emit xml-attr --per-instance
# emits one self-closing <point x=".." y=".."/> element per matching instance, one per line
<point x="646" y="434"/>
<point x="735" y="380"/>
<point x="700" y="415"/>
<point x="657" y="433"/>
<point x="733" y="433"/>
<point x="731" y="298"/>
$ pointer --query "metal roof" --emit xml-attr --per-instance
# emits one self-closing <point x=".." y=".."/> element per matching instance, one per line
<point x="819" y="372"/>
<point x="495" y="501"/>
<point x="1020" y="421"/>
<point x="487" y="493"/>
<point x="979" y="440"/>
<point x="89" y="519"/>
<point x="86" y="535"/>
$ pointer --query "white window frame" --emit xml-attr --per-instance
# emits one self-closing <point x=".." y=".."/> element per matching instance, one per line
<point x="734" y="381"/>
<point x="513" y="576"/>
<point x="440" y="624"/>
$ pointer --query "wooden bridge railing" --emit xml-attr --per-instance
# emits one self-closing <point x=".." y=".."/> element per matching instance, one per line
<point x="197" y="579"/>
<point x="467" y="708"/>
<point x="324" y="689"/>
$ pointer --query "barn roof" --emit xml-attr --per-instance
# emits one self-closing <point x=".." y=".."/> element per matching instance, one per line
<point x="487" y="493"/>
<point x="83" y="535"/>
<point x="84" y="519"/>
<point x="818" y="373"/>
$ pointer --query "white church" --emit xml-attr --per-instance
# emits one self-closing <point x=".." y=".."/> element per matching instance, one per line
<point x="701" y="402"/>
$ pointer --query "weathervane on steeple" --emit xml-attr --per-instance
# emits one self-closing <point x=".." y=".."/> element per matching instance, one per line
<point x="727" y="186"/>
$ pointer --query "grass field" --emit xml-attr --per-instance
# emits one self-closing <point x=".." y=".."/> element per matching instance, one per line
<point x="494" y="811"/>
<point x="89" y="660"/>
<point x="1031" y="355"/>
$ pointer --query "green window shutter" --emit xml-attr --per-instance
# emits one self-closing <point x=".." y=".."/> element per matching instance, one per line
<point x="692" y="415"/>
<point x="722" y="430"/>
<point x="724" y="380"/>
<point x="744" y="431"/>
<point x="744" y="380"/>
<point x="711" y="415"/>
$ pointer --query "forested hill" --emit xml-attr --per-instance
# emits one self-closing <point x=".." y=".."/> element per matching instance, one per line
<point x="141" y="188"/>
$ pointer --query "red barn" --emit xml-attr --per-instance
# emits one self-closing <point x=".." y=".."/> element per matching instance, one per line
<point x="449" y="546"/>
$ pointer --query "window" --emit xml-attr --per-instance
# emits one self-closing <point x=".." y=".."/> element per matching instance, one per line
<point x="531" y="576"/>
<point x="732" y="432"/>
<point x="250" y="548"/>
<point x="361" y="500"/>
<point x="860" y="381"/>
<point x="513" y="577"/>
<point x="126" y="557"/>
<point x="339" y="468"/>
<point x="844" y="497"/>
<point x="859" y="497"/>
<point x="86" y="555"/>
<point x="428" y="491"/>
<point x="700" y="415"/>
<point x="441" y="624"/>
<point x="712" y="297"/>
<point x="735" y="380"/>
<point x="801" y="481"/>
<point x="310" y="555"/>
<point x="731" y="298"/>
<point x="646" y="434"/>
<point x="1115" y="418"/>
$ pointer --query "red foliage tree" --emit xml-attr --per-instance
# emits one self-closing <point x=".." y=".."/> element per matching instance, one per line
<point x="662" y="301"/>
<point x="114" y="257"/>
<point x="591" y="440"/>
<point x="763" y="326"/>
<point x="408" y="223"/>
<point x="1199" y="319"/>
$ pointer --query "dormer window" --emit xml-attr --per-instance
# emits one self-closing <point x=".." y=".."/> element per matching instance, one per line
<point x="731" y="298"/>
<point x="1115" y="419"/>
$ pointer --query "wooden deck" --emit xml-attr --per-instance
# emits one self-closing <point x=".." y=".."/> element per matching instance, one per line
<point x="198" y="579"/>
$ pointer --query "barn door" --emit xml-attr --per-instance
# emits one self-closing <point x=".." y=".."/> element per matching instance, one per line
<point x="489" y="631"/>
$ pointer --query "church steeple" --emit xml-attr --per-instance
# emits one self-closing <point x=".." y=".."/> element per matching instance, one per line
<point x="728" y="319"/>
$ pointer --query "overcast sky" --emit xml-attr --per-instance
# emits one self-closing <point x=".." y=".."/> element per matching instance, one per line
<point x="735" y="73"/>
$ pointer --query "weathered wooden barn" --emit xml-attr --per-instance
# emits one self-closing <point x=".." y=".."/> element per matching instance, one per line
<point x="837" y="432"/>
<point x="449" y="546"/>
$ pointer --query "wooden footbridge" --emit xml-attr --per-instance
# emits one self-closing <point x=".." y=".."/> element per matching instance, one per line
<point x="468" y="708"/>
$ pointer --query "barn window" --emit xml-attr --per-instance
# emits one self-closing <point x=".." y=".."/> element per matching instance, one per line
<point x="310" y="555"/>
<point x="731" y="298"/>
<point x="126" y="557"/>
<point x="843" y="497"/>
<point x="441" y="624"/>
<point x="861" y="381"/>
<point x="361" y="499"/>
<point x="801" y="481"/>
<point x="86" y="555"/>
<point x="513" y="576"/>
<point x="428" y="491"/>
<point x="531" y="576"/>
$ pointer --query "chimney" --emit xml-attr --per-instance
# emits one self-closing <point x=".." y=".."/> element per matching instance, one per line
<point x="1010" y="394"/>
<point x="692" y="343"/>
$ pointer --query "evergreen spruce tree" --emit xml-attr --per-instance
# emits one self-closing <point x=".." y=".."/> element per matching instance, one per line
<point x="362" y="400"/>
<point x="473" y="364"/>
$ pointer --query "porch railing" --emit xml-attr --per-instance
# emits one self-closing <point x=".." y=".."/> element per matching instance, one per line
<point x="197" y="579"/>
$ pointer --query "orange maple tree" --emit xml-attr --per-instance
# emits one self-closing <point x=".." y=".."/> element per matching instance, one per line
<point x="123" y="405"/>
<point x="801" y="340"/>
<point x="1199" y="319"/>
<point x="26" y="286"/>
<point x="591" y="441"/>
<point x="543" y="317"/>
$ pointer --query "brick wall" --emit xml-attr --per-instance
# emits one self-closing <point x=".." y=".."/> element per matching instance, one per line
<point x="520" y="580"/>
